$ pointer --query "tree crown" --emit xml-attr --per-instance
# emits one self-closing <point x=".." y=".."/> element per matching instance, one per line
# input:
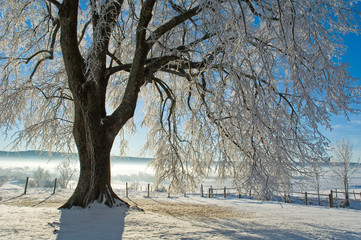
<point x="239" y="84"/>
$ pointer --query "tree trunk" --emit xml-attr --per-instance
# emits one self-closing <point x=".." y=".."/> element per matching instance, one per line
<point x="94" y="131"/>
<point x="347" y="202"/>
<point x="94" y="184"/>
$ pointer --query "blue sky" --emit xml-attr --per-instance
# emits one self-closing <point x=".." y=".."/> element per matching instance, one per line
<point x="342" y="128"/>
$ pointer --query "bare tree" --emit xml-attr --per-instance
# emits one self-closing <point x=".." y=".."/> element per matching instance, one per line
<point x="318" y="173"/>
<point x="237" y="84"/>
<point x="41" y="176"/>
<point x="66" y="171"/>
<point x="341" y="166"/>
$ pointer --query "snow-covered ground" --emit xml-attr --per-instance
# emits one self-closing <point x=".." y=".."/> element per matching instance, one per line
<point x="35" y="216"/>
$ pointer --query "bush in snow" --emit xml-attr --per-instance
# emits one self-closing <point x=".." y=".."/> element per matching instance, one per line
<point x="66" y="172"/>
<point x="41" y="177"/>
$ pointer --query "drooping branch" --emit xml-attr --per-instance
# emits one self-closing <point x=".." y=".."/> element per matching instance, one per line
<point x="170" y="96"/>
<point x="50" y="51"/>
<point x="53" y="95"/>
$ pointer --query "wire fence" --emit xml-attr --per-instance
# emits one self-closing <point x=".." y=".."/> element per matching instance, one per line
<point x="333" y="198"/>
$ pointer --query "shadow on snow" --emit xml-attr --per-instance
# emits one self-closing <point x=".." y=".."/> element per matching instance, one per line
<point x="94" y="222"/>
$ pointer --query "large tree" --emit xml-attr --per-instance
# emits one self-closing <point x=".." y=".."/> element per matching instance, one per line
<point x="237" y="85"/>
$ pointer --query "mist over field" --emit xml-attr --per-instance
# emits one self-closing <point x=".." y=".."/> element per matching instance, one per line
<point x="49" y="161"/>
<point x="19" y="165"/>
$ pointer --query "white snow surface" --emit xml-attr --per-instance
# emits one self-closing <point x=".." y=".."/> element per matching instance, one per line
<point x="35" y="216"/>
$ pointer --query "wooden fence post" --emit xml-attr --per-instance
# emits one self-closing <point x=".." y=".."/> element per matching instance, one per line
<point x="26" y="185"/>
<point x="126" y="189"/>
<point x="148" y="189"/>
<point x="330" y="199"/>
<point x="306" y="202"/>
<point x="202" y="190"/>
<point x="225" y="192"/>
<point x="336" y="192"/>
<point x="54" y="186"/>
<point x="239" y="195"/>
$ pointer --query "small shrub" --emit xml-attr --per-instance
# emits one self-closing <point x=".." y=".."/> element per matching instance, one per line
<point x="41" y="176"/>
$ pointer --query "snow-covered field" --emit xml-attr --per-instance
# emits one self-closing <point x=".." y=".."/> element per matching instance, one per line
<point x="35" y="216"/>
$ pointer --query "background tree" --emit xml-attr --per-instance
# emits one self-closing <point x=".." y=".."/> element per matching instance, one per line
<point x="41" y="177"/>
<point x="341" y="166"/>
<point x="66" y="172"/>
<point x="240" y="85"/>
<point x="318" y="173"/>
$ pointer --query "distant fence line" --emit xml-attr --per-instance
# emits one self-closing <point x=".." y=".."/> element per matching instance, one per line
<point x="226" y="191"/>
<point x="211" y="192"/>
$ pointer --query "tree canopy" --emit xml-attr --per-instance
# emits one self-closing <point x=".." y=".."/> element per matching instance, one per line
<point x="241" y="86"/>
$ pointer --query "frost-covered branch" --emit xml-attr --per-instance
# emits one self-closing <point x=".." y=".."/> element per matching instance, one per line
<point x="161" y="30"/>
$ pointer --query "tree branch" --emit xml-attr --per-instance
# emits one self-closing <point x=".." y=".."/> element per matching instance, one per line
<point x="170" y="96"/>
<point x="136" y="78"/>
<point x="56" y="3"/>
<point x="51" y="51"/>
<point x="254" y="11"/>
<point x="158" y="64"/>
<point x="161" y="30"/>
<point x="83" y="31"/>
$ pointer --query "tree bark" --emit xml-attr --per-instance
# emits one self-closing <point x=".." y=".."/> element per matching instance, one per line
<point x="77" y="199"/>
<point x="94" y="184"/>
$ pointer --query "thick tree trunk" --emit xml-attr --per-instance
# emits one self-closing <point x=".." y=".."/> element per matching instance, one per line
<point x="94" y="184"/>
<point x="94" y="132"/>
